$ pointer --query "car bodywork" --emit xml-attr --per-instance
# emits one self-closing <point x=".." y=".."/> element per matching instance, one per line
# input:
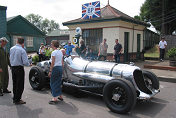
<point x="119" y="84"/>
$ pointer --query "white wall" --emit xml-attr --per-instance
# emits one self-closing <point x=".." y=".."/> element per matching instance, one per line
<point x="113" y="30"/>
<point x="111" y="34"/>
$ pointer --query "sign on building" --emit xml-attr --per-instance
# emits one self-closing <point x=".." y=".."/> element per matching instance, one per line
<point x="91" y="10"/>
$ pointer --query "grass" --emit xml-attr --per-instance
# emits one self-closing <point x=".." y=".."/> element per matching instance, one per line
<point x="153" y="52"/>
<point x="151" y="55"/>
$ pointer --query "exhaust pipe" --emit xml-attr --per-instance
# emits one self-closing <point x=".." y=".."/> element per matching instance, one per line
<point x="66" y="84"/>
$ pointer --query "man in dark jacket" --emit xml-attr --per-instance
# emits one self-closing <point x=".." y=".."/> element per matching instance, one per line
<point x="4" y="62"/>
<point x="117" y="51"/>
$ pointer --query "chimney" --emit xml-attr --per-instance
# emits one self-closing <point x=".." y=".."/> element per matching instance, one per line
<point x="3" y="21"/>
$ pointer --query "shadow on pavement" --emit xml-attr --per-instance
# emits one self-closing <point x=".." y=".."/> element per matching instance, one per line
<point x="25" y="112"/>
<point x="68" y="108"/>
<point x="150" y="108"/>
<point x="6" y="100"/>
<point x="86" y="97"/>
<point x="43" y="91"/>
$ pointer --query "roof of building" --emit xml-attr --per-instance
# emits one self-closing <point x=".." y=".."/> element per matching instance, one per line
<point x="20" y="25"/>
<point x="59" y="32"/>
<point x="108" y="13"/>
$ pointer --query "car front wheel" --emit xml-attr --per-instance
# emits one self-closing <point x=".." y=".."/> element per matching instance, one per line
<point x="119" y="95"/>
<point x="150" y="80"/>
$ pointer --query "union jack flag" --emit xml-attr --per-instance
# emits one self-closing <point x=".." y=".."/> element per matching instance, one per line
<point x="91" y="10"/>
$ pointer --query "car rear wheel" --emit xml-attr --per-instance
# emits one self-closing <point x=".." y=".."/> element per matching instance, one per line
<point x="36" y="78"/>
<point x="119" y="95"/>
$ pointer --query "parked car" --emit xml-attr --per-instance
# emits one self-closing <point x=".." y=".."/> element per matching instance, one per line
<point x="121" y="85"/>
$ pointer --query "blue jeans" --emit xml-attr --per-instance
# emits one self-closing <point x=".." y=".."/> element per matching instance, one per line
<point x="56" y="80"/>
<point x="117" y="58"/>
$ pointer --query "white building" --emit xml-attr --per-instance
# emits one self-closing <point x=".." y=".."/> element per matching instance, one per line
<point x="112" y="25"/>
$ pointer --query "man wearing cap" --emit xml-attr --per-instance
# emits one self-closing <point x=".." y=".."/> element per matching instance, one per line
<point x="4" y="62"/>
<point x="162" y="45"/>
<point x="69" y="48"/>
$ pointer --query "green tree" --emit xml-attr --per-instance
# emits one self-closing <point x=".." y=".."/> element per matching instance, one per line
<point x="137" y="17"/>
<point x="158" y="13"/>
<point x="53" y="26"/>
<point x="34" y="19"/>
<point x="44" y="25"/>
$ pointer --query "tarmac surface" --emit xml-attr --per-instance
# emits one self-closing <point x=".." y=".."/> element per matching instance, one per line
<point x="162" y="105"/>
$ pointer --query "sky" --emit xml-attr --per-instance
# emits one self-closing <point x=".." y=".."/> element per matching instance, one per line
<point x="65" y="10"/>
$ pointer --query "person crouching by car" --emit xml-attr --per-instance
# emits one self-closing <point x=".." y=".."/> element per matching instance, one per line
<point x="55" y="72"/>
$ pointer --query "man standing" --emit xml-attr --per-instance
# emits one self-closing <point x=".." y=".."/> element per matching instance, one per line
<point x="4" y="62"/>
<point x="117" y="51"/>
<point x="162" y="45"/>
<point x="103" y="50"/>
<point x="18" y="59"/>
<point x="69" y="48"/>
<point x="82" y="49"/>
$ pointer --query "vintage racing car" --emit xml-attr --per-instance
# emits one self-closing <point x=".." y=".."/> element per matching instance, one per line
<point x="121" y="85"/>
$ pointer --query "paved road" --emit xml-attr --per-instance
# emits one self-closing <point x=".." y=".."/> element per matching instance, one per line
<point x="162" y="105"/>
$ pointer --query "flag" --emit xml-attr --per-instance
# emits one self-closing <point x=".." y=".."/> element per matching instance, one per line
<point x="91" y="10"/>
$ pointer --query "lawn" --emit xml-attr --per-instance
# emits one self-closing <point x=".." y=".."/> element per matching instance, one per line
<point x="153" y="52"/>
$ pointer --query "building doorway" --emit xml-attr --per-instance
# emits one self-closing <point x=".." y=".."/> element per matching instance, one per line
<point x="138" y="45"/>
<point x="126" y="44"/>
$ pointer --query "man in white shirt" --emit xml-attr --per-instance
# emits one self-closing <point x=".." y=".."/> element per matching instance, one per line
<point x="162" y="45"/>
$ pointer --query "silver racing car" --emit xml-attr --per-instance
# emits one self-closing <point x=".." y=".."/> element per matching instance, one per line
<point x="121" y="85"/>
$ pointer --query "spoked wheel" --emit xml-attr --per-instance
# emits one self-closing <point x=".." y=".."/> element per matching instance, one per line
<point x="36" y="78"/>
<point x="151" y="80"/>
<point x="119" y="95"/>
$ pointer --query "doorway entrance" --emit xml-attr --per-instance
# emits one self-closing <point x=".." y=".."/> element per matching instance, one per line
<point x="126" y="46"/>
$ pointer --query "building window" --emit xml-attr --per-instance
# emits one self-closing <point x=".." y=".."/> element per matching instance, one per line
<point x="92" y="38"/>
<point x="15" y="38"/>
<point x="29" y="42"/>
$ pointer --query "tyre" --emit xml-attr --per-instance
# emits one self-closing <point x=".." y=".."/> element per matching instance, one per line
<point x="36" y="78"/>
<point x="119" y="96"/>
<point x="150" y="80"/>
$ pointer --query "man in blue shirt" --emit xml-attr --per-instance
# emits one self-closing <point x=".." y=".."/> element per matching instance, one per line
<point x="69" y="48"/>
<point x="18" y="59"/>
